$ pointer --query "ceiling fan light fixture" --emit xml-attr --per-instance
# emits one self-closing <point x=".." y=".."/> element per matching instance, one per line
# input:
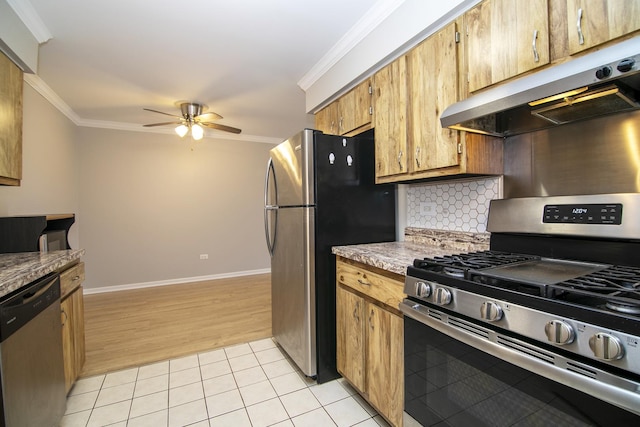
<point x="193" y="118"/>
<point x="182" y="130"/>
<point x="197" y="132"/>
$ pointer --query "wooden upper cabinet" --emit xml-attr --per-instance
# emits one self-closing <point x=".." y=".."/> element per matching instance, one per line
<point x="506" y="38"/>
<point x="390" y="118"/>
<point x="327" y="119"/>
<point x="356" y="108"/>
<point x="10" y="122"/>
<point x="349" y="114"/>
<point x="433" y="86"/>
<point x="593" y="22"/>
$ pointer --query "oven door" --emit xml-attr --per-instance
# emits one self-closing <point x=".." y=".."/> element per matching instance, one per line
<point x="457" y="374"/>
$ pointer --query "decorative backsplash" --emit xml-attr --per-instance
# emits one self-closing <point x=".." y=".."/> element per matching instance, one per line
<point x="455" y="206"/>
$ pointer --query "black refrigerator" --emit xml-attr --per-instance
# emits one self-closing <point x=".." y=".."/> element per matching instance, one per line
<point x="320" y="192"/>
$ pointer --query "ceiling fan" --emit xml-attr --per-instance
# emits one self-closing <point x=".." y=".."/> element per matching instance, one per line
<point x="194" y="116"/>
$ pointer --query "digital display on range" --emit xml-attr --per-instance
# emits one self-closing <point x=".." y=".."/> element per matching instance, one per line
<point x="608" y="214"/>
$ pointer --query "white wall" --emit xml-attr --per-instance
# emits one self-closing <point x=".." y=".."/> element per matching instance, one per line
<point x="150" y="206"/>
<point x="49" y="165"/>
<point x="146" y="205"/>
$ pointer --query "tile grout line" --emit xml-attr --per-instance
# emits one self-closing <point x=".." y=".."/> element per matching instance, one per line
<point x="253" y="352"/>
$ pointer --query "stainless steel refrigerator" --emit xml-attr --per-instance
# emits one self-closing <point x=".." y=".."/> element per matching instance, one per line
<point x="320" y="192"/>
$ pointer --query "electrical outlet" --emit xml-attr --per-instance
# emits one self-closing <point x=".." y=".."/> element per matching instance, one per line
<point x="428" y="209"/>
<point x="204" y="256"/>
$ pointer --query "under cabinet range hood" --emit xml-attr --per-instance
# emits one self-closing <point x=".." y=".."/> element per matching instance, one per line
<point x="597" y="84"/>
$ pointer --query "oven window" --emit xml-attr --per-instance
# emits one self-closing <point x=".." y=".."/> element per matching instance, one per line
<point x="449" y="383"/>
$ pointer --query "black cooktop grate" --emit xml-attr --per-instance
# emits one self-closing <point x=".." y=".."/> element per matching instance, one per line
<point x="616" y="288"/>
<point x="471" y="260"/>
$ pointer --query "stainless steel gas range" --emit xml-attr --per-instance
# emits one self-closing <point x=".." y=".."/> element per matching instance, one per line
<point x="542" y="329"/>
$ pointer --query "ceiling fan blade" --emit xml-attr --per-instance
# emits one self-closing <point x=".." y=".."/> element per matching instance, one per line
<point x="208" y="116"/>
<point x="221" y="127"/>
<point x="162" y="124"/>
<point x="161" y="112"/>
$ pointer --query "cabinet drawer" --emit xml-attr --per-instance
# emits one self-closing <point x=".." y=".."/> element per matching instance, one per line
<point x="388" y="290"/>
<point x="71" y="278"/>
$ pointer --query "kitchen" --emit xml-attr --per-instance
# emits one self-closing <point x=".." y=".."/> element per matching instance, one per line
<point x="96" y="198"/>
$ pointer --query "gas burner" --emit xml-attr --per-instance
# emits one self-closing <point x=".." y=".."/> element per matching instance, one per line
<point x="453" y="272"/>
<point x="623" y="308"/>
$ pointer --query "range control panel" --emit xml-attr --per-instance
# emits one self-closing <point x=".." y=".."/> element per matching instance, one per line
<point x="608" y="214"/>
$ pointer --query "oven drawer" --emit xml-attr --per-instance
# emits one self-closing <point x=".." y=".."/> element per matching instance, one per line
<point x="71" y="278"/>
<point x="387" y="288"/>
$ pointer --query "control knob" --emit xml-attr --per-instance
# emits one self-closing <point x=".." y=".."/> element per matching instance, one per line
<point x="559" y="332"/>
<point x="442" y="296"/>
<point x="490" y="311"/>
<point x="626" y="65"/>
<point x="423" y="290"/>
<point x="606" y="346"/>
<point x="603" y="73"/>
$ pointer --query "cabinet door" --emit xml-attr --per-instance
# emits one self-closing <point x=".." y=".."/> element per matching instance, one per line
<point x="433" y="86"/>
<point x="350" y="312"/>
<point x="10" y="122"/>
<point x="67" y="343"/>
<point x="73" y="346"/>
<point x="593" y="22"/>
<point x="326" y="120"/>
<point x="390" y="106"/>
<point x="355" y="108"/>
<point x="78" y="330"/>
<point x="506" y="38"/>
<point x="385" y="362"/>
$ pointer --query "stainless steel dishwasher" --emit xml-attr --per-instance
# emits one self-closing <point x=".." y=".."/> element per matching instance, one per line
<point x="31" y="365"/>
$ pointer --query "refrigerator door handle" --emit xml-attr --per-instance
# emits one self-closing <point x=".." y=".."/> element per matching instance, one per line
<point x="267" y="207"/>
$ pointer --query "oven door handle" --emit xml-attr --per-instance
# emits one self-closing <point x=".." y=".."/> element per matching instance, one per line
<point x="625" y="393"/>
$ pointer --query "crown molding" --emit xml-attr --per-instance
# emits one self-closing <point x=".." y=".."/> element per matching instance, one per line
<point x="374" y="17"/>
<point x="43" y="89"/>
<point x="25" y="11"/>
<point x="133" y="127"/>
<point x="47" y="93"/>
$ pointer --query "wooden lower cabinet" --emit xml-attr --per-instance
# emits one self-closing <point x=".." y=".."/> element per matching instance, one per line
<point x="73" y="346"/>
<point x="370" y="337"/>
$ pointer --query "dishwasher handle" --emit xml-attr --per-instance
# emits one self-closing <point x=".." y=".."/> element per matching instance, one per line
<point x="26" y="303"/>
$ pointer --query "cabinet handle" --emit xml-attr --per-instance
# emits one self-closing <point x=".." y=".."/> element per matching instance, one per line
<point x="371" y="319"/>
<point x="418" y="156"/>
<point x="400" y="159"/>
<point x="355" y="311"/>
<point x="579" y="25"/>
<point x="66" y="317"/>
<point x="75" y="278"/>
<point x="363" y="283"/>
<point x="536" y="57"/>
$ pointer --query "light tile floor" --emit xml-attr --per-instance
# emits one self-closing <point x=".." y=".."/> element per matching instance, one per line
<point x="252" y="384"/>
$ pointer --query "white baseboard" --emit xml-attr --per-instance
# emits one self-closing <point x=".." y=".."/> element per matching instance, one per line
<point x="172" y="281"/>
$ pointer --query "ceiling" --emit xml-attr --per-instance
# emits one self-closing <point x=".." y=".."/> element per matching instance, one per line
<point x="108" y="60"/>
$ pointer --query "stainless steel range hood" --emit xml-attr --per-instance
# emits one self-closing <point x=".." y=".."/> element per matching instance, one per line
<point x="593" y="85"/>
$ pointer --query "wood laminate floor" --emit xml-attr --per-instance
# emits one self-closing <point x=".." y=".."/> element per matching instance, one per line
<point x="137" y="327"/>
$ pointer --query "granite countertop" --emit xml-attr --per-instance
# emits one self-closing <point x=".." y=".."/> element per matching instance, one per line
<point x="419" y="243"/>
<point x="19" y="269"/>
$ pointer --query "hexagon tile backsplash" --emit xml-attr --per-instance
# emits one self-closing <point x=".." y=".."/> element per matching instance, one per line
<point x="454" y="206"/>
